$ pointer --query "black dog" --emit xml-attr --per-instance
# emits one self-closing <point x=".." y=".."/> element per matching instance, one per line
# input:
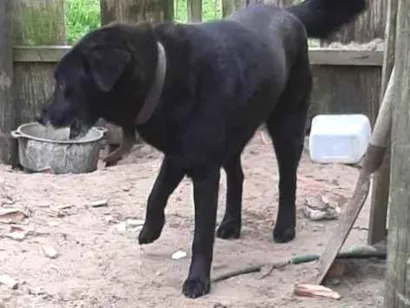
<point x="198" y="93"/>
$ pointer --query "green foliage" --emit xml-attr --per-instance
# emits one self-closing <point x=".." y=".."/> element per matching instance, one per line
<point x="81" y="17"/>
<point x="84" y="15"/>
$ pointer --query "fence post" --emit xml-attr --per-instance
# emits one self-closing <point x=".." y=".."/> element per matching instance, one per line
<point x="132" y="11"/>
<point x="194" y="8"/>
<point x="35" y="23"/>
<point x="229" y="6"/>
<point x="7" y="110"/>
<point x="381" y="179"/>
<point x="397" y="290"/>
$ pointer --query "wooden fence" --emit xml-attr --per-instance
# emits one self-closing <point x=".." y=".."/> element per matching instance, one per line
<point x="339" y="86"/>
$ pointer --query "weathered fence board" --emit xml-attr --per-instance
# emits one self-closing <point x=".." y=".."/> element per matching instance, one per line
<point x="130" y="11"/>
<point x="7" y="108"/>
<point x="331" y="94"/>
<point x="345" y="89"/>
<point x="317" y="56"/>
<point x="194" y="8"/>
<point x="38" y="22"/>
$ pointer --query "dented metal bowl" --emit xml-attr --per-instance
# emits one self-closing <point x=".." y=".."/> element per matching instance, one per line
<point x="43" y="148"/>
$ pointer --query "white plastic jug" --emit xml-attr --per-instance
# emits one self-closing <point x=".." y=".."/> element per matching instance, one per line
<point x="339" y="138"/>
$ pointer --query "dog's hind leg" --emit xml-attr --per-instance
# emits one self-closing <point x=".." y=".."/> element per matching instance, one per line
<point x="169" y="177"/>
<point x="231" y="223"/>
<point x="286" y="126"/>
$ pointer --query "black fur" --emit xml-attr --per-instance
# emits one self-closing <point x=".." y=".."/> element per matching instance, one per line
<point x="224" y="79"/>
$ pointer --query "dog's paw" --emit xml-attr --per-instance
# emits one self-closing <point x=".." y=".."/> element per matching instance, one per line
<point x="196" y="287"/>
<point x="150" y="232"/>
<point x="283" y="235"/>
<point x="229" y="229"/>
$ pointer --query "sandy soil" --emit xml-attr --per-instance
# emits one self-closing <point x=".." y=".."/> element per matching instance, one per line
<point x="100" y="264"/>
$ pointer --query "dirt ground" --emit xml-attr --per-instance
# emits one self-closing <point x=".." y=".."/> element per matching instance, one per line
<point x="100" y="264"/>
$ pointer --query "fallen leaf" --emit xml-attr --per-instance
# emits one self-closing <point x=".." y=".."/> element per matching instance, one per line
<point x="312" y="290"/>
<point x="12" y="216"/>
<point x="9" y="282"/>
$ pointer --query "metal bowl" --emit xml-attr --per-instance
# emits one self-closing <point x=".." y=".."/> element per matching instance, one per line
<point x="43" y="148"/>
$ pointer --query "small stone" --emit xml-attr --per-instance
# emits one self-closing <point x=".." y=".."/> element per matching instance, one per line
<point x="17" y="236"/>
<point x="122" y="227"/>
<point x="8" y="282"/>
<point x="99" y="203"/>
<point x="179" y="255"/>
<point x="133" y="223"/>
<point x="53" y="223"/>
<point x="49" y="251"/>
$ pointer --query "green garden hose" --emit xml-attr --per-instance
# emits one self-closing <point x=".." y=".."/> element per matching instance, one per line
<point x="299" y="260"/>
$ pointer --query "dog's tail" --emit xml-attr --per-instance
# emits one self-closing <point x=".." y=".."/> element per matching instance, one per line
<point x="323" y="17"/>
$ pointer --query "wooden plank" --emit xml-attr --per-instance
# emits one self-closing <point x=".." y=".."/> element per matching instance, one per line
<point x="7" y="110"/>
<point x="344" y="89"/>
<point x="343" y="228"/>
<point x="329" y="56"/>
<point x="364" y="29"/>
<point x="317" y="56"/>
<point x="397" y="288"/>
<point x="41" y="54"/>
<point x="381" y="179"/>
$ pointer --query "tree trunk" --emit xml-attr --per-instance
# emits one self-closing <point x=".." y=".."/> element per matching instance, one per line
<point x="7" y="107"/>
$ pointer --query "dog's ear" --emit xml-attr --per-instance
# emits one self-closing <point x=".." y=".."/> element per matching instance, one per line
<point x="107" y="66"/>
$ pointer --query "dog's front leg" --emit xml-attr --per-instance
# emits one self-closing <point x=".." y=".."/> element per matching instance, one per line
<point x="170" y="175"/>
<point x="206" y="188"/>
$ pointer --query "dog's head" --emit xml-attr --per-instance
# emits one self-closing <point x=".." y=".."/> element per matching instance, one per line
<point x="104" y="75"/>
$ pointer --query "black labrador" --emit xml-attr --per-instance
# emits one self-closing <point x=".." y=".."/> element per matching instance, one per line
<point x="198" y="93"/>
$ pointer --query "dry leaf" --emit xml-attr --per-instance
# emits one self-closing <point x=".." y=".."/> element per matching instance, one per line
<point x="312" y="290"/>
<point x="12" y="216"/>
